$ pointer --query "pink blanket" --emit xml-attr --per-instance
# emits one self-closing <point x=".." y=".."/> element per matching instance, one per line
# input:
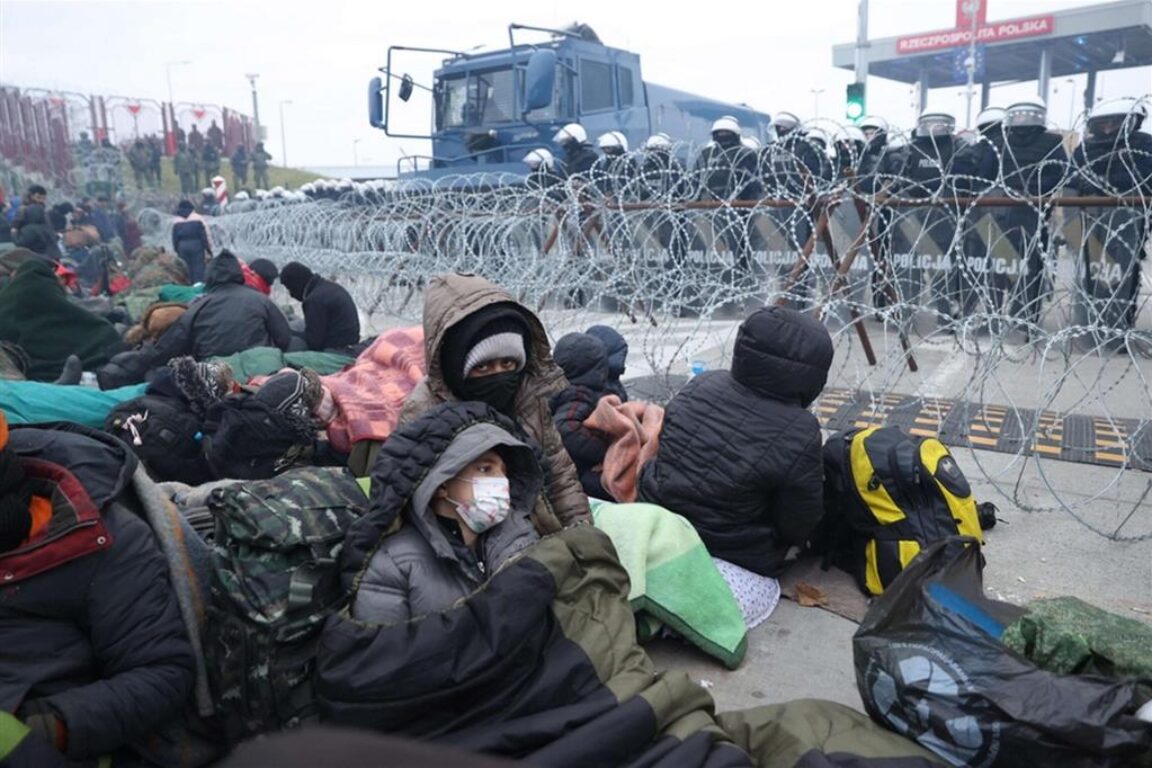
<point x="370" y="393"/>
<point x="634" y="431"/>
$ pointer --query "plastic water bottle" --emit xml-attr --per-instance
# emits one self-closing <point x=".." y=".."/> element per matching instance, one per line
<point x="88" y="379"/>
<point x="698" y="367"/>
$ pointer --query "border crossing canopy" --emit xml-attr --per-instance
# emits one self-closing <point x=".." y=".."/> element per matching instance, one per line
<point x="1115" y="35"/>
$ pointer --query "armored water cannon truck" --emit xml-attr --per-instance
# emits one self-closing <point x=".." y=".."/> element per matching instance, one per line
<point x="491" y="108"/>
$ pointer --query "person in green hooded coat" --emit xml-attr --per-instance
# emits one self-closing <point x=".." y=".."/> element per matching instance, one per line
<point x="36" y="314"/>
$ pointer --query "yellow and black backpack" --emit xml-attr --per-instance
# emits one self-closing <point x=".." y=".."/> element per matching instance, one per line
<point x="887" y="495"/>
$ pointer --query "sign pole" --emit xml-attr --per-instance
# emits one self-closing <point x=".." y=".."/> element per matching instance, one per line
<point x="973" y="10"/>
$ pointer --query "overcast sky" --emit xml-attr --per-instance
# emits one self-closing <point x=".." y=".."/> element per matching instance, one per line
<point x="320" y="55"/>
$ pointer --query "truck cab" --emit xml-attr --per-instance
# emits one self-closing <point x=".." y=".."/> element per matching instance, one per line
<point x="492" y="108"/>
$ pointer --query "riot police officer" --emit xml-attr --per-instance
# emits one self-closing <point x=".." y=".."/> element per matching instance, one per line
<point x="1114" y="159"/>
<point x="614" y="172"/>
<point x="1033" y="164"/>
<point x="726" y="172"/>
<point x="579" y="156"/>
<point x="923" y="236"/>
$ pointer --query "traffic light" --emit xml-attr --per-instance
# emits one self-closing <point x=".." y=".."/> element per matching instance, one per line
<point x="854" y="110"/>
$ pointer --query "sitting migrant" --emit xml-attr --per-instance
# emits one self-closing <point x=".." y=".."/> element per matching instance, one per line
<point x="740" y="454"/>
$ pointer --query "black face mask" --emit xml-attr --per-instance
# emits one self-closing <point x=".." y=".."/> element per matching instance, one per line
<point x="498" y="390"/>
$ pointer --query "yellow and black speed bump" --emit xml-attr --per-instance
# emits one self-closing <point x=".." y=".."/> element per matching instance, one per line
<point x="1111" y="442"/>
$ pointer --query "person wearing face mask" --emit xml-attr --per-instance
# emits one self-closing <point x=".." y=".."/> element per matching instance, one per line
<point x="481" y="345"/>
<point x="463" y="480"/>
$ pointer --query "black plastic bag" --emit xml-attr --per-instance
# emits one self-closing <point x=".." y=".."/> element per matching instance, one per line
<point x="930" y="666"/>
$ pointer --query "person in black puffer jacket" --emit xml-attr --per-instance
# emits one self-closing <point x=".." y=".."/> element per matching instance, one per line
<point x="584" y="360"/>
<point x="330" y="317"/>
<point x="740" y="454"/>
<point x="96" y="657"/>
<point x="230" y="317"/>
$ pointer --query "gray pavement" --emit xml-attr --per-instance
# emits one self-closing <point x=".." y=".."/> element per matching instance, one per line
<point x="807" y="652"/>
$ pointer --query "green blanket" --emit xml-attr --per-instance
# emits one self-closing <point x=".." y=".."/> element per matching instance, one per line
<point x="1068" y="636"/>
<point x="674" y="581"/>
<point x="36" y="314"/>
<point x="35" y="402"/>
<point x="262" y="361"/>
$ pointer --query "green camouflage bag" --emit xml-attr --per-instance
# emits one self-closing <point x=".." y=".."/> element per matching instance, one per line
<point x="275" y="581"/>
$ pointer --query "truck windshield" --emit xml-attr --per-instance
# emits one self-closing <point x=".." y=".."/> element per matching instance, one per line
<point x="471" y="99"/>
<point x="478" y="98"/>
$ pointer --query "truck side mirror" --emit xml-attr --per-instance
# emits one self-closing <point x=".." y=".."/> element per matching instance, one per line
<point x="375" y="102"/>
<point x="539" y="79"/>
<point x="405" y="88"/>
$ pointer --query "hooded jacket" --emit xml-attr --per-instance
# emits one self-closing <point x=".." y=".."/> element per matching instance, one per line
<point x="230" y="317"/>
<point x="617" y="348"/>
<point x="585" y="362"/>
<point x="330" y="317"/>
<point x="740" y="453"/>
<point x="90" y="626"/>
<point x="450" y="298"/>
<point x="421" y="569"/>
<point x="36" y="314"/>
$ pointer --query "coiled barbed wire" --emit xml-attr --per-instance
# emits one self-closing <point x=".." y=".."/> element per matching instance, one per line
<point x="976" y="293"/>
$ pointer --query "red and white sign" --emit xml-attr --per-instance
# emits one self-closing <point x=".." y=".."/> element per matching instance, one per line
<point x="994" y="32"/>
<point x="966" y="9"/>
<point x="199" y="113"/>
<point x="133" y="108"/>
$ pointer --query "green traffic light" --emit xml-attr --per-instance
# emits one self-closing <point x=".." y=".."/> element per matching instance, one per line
<point x="855" y="101"/>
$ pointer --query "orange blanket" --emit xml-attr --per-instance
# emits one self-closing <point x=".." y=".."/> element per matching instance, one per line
<point x="370" y="392"/>
<point x="634" y="431"/>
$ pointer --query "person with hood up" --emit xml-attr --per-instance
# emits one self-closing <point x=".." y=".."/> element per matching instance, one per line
<point x="463" y="479"/>
<point x="190" y="240"/>
<point x="330" y="317"/>
<point x="96" y="656"/>
<point x="617" y="349"/>
<point x="480" y="344"/>
<point x="37" y="315"/>
<point x="230" y="317"/>
<point x="584" y="360"/>
<point x="740" y="454"/>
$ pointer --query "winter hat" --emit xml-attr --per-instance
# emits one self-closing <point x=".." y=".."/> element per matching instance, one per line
<point x="201" y="384"/>
<point x="295" y="277"/>
<point x="266" y="269"/>
<point x="494" y="331"/>
<point x="295" y="394"/>
<point x="15" y="518"/>
<point x="184" y="208"/>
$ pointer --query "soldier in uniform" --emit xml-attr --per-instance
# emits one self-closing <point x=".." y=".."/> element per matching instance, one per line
<point x="260" y="160"/>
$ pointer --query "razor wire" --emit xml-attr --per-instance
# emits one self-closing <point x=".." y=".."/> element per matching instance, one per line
<point x="1034" y="306"/>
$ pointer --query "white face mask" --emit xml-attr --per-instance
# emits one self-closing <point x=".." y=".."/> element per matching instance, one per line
<point x="491" y="502"/>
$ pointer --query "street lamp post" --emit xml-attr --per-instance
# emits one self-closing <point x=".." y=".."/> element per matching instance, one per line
<point x="816" y="102"/>
<point x="255" y="107"/>
<point x="283" y="134"/>
<point x="1071" y="102"/>
<point x="355" y="153"/>
<point x="168" y="71"/>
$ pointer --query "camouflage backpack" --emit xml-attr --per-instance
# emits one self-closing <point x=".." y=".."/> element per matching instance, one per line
<point x="275" y="580"/>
